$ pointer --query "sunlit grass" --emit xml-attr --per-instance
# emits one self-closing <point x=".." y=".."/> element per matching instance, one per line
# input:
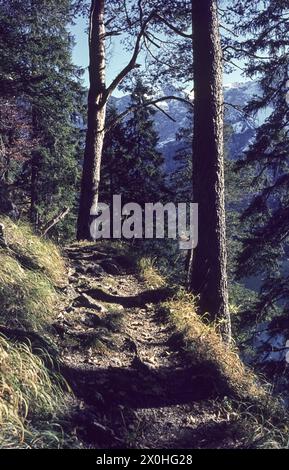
<point x="33" y="251"/>
<point x="27" y="298"/>
<point x="31" y="394"/>
<point x="27" y="392"/>
<point x="149" y="273"/>
<point x="205" y="345"/>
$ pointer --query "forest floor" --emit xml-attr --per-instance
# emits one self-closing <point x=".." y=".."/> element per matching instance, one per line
<point x="135" y="387"/>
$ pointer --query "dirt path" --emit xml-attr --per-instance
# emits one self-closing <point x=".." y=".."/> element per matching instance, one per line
<point x="135" y="388"/>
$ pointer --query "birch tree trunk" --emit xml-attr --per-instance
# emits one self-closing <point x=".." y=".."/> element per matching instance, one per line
<point x="208" y="271"/>
<point x="95" y="120"/>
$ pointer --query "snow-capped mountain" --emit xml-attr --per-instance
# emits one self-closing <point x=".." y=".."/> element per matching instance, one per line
<point x="236" y="95"/>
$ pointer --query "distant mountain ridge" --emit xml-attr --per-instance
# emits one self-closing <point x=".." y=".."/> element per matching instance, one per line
<point x="236" y="95"/>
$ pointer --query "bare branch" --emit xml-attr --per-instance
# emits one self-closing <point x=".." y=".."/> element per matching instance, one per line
<point x="154" y="103"/>
<point x="113" y="33"/>
<point x="242" y="51"/>
<point x="140" y="11"/>
<point x="107" y="23"/>
<point x="126" y="14"/>
<point x="228" y="30"/>
<point x="242" y="113"/>
<point x="148" y="37"/>
<point x="164" y="112"/>
<point x="57" y="218"/>
<point x="174" y="28"/>
<point x="171" y="97"/>
<point x="132" y="63"/>
<point x="158" y="61"/>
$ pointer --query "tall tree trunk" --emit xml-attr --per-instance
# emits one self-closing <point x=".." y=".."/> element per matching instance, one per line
<point x="208" y="277"/>
<point x="95" y="120"/>
<point x="97" y="99"/>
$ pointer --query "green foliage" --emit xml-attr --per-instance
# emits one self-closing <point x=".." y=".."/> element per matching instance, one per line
<point x="265" y="238"/>
<point x="181" y="178"/>
<point x="132" y="165"/>
<point x="47" y="85"/>
<point x="114" y="167"/>
<point x="144" y="160"/>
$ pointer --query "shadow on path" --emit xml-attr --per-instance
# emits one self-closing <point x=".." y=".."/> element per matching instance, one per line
<point x="139" y="300"/>
<point x="140" y="386"/>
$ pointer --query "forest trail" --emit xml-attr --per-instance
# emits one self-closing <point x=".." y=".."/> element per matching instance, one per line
<point x="135" y="386"/>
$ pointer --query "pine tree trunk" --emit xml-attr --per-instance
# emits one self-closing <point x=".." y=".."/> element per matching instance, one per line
<point x="95" y="121"/>
<point x="208" y="277"/>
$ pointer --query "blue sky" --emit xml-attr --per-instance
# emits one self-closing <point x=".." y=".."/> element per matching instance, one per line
<point x="119" y="60"/>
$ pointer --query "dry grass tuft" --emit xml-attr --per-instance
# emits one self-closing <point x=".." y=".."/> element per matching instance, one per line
<point x="149" y="274"/>
<point x="26" y="390"/>
<point x="30" y="395"/>
<point x="205" y="345"/>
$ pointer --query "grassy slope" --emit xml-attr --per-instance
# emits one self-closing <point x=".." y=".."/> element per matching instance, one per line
<point x="31" y="271"/>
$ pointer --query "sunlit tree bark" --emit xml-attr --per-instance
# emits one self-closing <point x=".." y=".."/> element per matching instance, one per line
<point x="208" y="276"/>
